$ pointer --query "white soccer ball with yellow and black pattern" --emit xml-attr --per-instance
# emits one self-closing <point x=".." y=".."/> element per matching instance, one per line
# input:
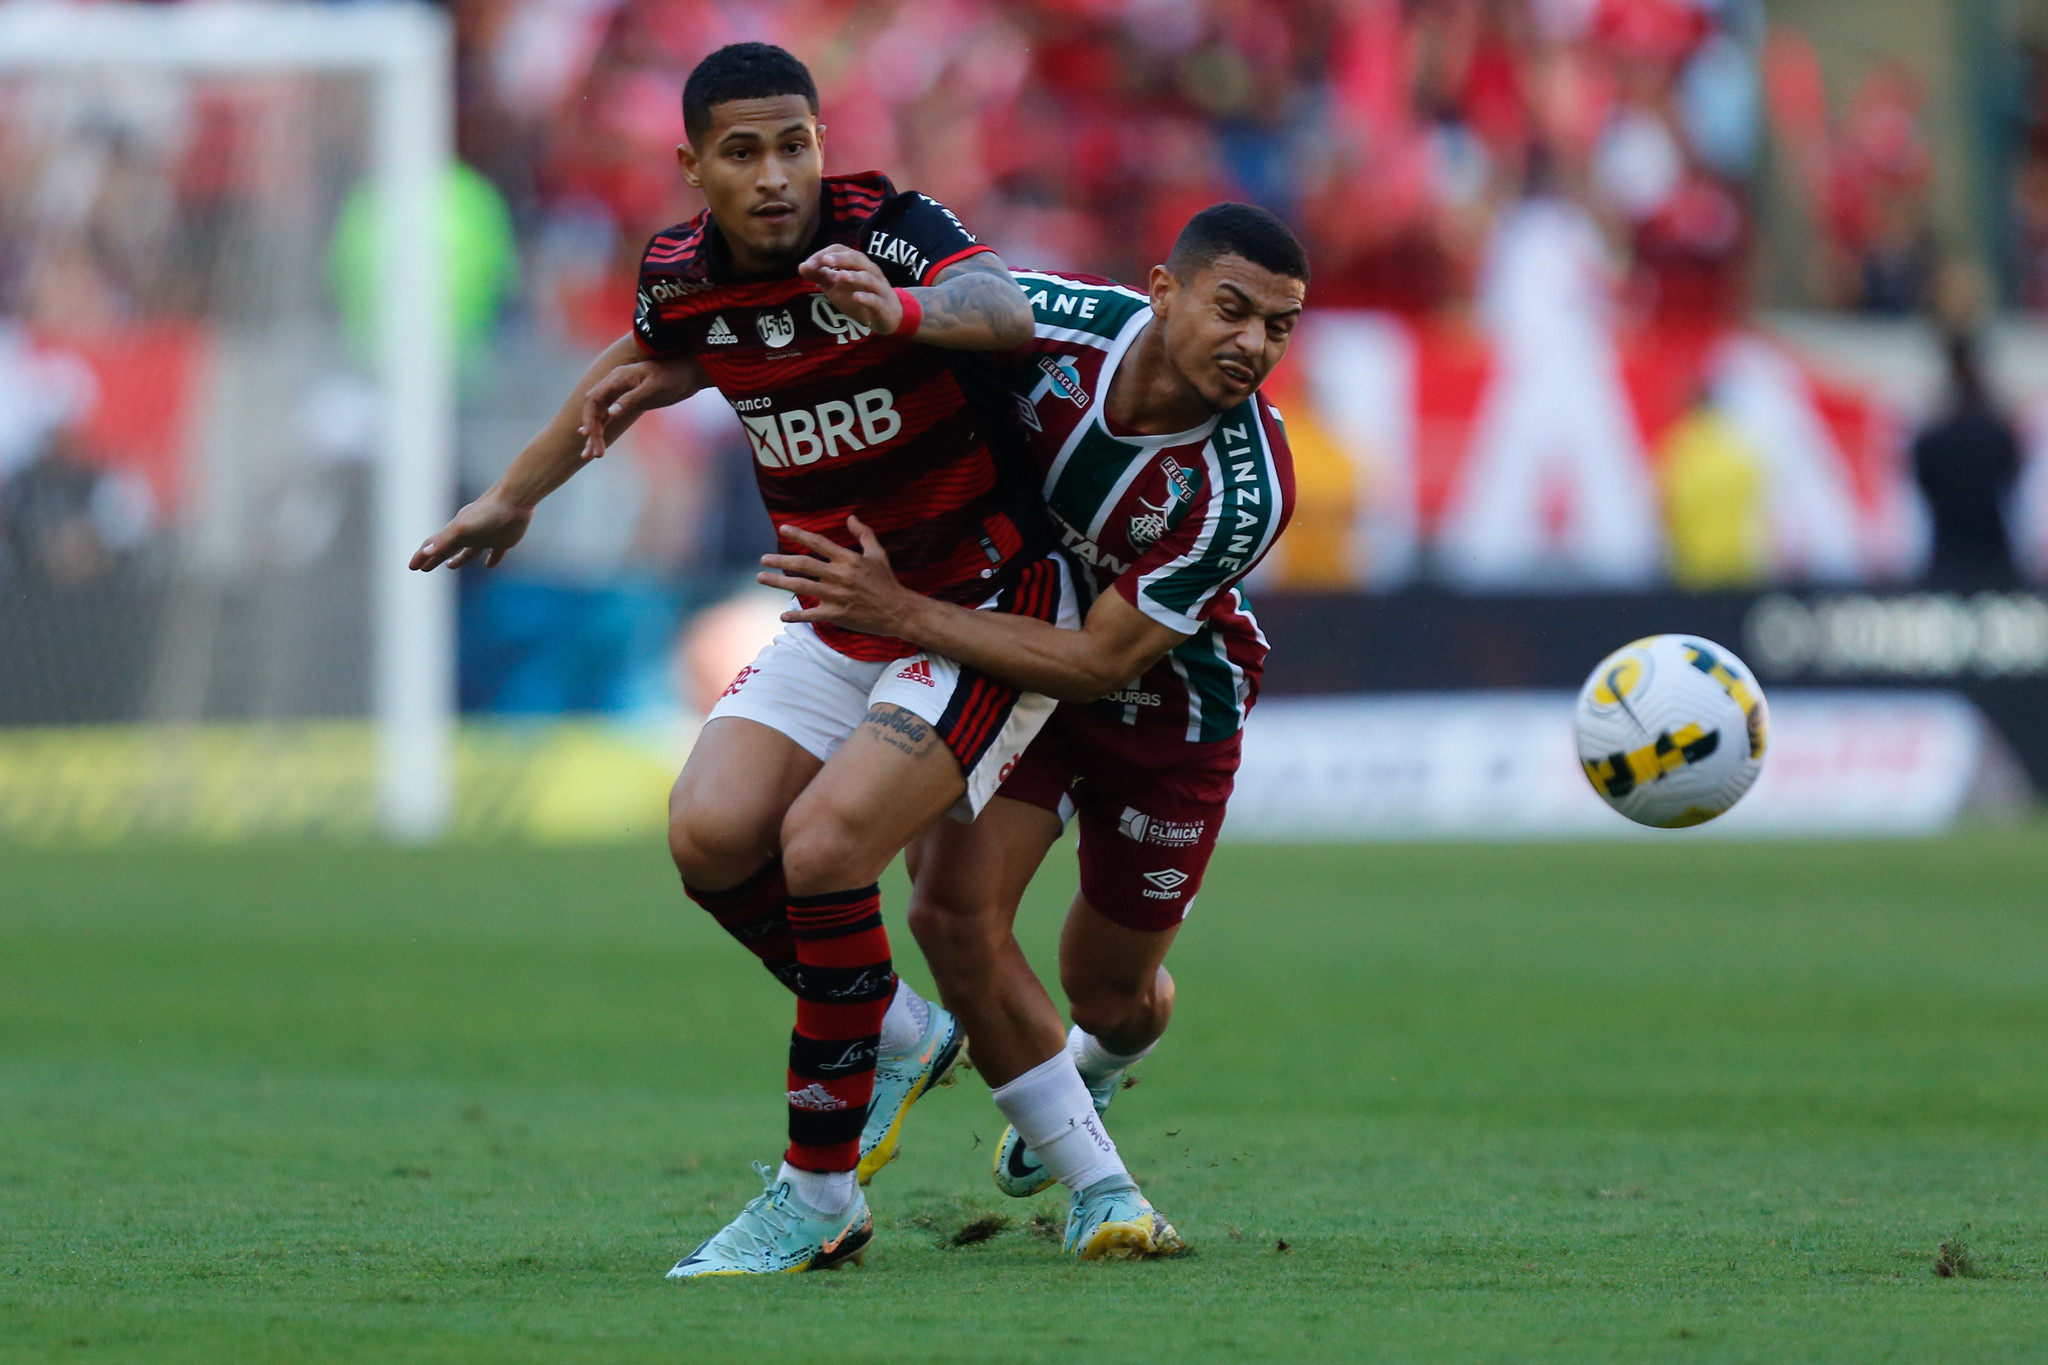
<point x="1672" y="730"/>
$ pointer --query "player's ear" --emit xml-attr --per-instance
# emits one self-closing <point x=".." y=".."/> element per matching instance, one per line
<point x="1164" y="284"/>
<point x="686" y="157"/>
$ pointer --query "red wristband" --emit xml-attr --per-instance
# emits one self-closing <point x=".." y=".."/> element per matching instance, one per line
<point x="913" y="315"/>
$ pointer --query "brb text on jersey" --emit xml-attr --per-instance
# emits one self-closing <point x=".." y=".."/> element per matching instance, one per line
<point x="915" y="440"/>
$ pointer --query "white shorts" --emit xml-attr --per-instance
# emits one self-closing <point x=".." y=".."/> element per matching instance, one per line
<point x="801" y="687"/>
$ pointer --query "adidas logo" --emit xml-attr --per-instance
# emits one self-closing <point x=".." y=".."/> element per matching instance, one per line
<point x="816" y="1098"/>
<point x="919" y="672"/>
<point x="721" y="333"/>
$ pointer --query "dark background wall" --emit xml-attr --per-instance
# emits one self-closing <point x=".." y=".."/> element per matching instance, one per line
<point x="1992" y="647"/>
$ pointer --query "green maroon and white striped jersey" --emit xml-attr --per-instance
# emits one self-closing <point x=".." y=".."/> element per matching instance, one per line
<point x="1171" y="522"/>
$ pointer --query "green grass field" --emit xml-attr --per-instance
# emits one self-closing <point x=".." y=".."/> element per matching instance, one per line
<point x="1677" y="1101"/>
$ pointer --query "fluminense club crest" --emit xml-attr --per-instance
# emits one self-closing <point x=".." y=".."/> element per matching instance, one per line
<point x="1150" y="524"/>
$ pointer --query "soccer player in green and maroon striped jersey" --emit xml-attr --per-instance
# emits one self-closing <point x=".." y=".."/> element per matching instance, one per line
<point x="1167" y="477"/>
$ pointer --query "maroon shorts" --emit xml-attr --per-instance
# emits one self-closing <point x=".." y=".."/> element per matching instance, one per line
<point x="1149" y="804"/>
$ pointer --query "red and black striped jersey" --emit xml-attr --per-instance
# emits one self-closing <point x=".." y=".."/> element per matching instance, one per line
<point x="915" y="440"/>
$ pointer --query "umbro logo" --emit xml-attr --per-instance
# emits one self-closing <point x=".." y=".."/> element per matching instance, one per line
<point x="919" y="671"/>
<point x="1165" y="883"/>
<point x="815" y="1098"/>
<point x="721" y="333"/>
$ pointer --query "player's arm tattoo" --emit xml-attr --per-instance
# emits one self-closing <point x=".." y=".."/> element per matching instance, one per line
<point x="899" y="728"/>
<point x="975" y="306"/>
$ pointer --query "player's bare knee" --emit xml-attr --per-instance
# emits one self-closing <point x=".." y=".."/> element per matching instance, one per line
<point x="709" y="866"/>
<point x="1106" y="1013"/>
<point x="928" y="922"/>
<point x="711" y="848"/>
<point x="1112" y="1007"/>
<point x="938" y="935"/>
<point x="957" y="932"/>
<point x="823" y="852"/>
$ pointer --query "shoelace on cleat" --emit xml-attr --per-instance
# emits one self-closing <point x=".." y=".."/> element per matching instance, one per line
<point x="766" y="1208"/>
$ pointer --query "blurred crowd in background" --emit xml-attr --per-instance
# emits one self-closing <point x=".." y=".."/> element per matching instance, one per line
<point x="1619" y="185"/>
<point x="1079" y="134"/>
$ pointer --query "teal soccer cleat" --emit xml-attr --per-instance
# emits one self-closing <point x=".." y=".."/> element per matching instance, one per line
<point x="1112" y="1221"/>
<point x="902" y="1080"/>
<point x="779" y="1234"/>
<point x="1017" y="1171"/>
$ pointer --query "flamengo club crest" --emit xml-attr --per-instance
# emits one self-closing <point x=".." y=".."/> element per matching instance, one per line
<point x="830" y="319"/>
<point x="778" y="328"/>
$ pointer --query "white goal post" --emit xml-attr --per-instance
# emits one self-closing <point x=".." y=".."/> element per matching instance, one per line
<point x="404" y="52"/>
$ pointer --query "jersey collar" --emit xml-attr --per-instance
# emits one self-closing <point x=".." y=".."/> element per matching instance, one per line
<point x="833" y="226"/>
<point x="1133" y="328"/>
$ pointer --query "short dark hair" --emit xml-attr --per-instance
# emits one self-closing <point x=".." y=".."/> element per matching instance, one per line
<point x="743" y="71"/>
<point x="1238" y="230"/>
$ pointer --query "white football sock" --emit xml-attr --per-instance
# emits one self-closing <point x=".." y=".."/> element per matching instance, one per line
<point x="1094" y="1061"/>
<point x="825" y="1191"/>
<point x="1052" y="1111"/>
<point x="904" y="1025"/>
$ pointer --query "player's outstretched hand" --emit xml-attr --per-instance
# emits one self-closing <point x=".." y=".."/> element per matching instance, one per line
<point x="857" y="590"/>
<point x="629" y="391"/>
<point x="488" y="527"/>
<point x="856" y="286"/>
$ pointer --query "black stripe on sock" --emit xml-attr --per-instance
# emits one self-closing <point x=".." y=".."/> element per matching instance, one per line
<point x="844" y="985"/>
<point x="826" y="1127"/>
<point x="832" y="1059"/>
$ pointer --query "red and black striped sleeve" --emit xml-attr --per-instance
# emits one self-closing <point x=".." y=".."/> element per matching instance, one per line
<point x="914" y="237"/>
<point x="671" y="259"/>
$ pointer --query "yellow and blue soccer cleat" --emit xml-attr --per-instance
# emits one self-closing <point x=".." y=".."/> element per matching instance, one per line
<point x="1018" y="1173"/>
<point x="902" y="1080"/>
<point x="778" y="1234"/>
<point x="1112" y="1220"/>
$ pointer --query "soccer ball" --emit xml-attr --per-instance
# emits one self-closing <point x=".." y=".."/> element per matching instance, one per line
<point x="1672" y="730"/>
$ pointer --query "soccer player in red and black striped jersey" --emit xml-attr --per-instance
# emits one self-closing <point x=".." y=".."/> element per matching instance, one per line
<point x="850" y="326"/>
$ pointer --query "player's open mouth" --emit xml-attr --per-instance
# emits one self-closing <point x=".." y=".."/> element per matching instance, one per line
<point x="775" y="213"/>
<point x="1240" y="375"/>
